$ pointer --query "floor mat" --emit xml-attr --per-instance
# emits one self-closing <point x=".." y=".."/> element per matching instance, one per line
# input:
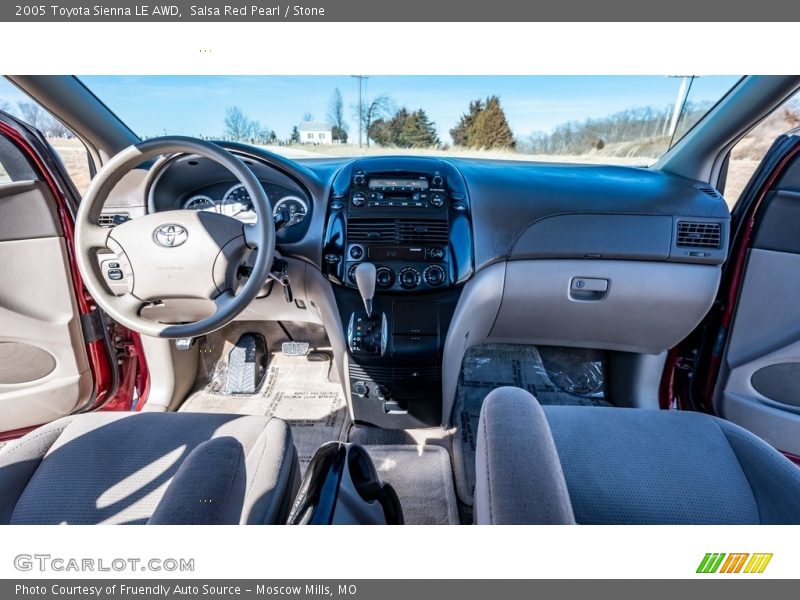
<point x="299" y="390"/>
<point x="423" y="480"/>
<point x="554" y="375"/>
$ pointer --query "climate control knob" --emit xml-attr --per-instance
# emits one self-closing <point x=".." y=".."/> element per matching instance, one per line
<point x="437" y="200"/>
<point x="434" y="275"/>
<point x="359" y="199"/>
<point x="351" y="274"/>
<point x="409" y="278"/>
<point x="359" y="179"/>
<point x="437" y="253"/>
<point x="437" y="180"/>
<point x="384" y="277"/>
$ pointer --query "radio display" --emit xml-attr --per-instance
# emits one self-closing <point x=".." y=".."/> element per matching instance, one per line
<point x="414" y="184"/>
<point x="395" y="253"/>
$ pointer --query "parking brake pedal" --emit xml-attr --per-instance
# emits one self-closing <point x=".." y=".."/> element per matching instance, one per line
<point x="294" y="348"/>
<point x="247" y="364"/>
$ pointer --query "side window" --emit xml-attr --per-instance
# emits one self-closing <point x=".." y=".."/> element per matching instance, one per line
<point x="13" y="164"/>
<point x="748" y="153"/>
<point x="69" y="148"/>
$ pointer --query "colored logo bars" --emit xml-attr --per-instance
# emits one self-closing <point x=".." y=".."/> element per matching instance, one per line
<point x="719" y="562"/>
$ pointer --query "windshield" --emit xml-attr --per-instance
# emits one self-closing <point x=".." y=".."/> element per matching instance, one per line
<point x="608" y="119"/>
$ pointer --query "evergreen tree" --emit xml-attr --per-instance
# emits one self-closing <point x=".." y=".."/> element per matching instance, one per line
<point x="460" y="133"/>
<point x="490" y="128"/>
<point x="405" y="130"/>
<point x="295" y="137"/>
<point x="417" y="131"/>
<point x="386" y="132"/>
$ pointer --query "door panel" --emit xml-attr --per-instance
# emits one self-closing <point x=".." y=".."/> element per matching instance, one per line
<point x="44" y="371"/>
<point x="759" y="383"/>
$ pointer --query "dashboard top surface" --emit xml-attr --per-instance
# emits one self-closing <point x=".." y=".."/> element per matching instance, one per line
<point x="505" y="197"/>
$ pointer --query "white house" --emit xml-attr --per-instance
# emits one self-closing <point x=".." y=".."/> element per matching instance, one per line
<point x="315" y="132"/>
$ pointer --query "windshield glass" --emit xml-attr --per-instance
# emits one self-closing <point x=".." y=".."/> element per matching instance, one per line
<point x="608" y="119"/>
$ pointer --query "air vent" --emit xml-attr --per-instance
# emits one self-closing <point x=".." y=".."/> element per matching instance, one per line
<point x="400" y="231"/>
<point x="370" y="231"/>
<point x="710" y="191"/>
<point x="428" y="232"/>
<point x="692" y="234"/>
<point x="113" y="219"/>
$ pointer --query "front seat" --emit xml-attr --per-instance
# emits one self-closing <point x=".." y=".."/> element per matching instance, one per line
<point x="150" y="468"/>
<point x="597" y="465"/>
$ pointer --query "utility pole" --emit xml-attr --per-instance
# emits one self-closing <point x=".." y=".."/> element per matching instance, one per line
<point x="680" y="101"/>
<point x="360" y="78"/>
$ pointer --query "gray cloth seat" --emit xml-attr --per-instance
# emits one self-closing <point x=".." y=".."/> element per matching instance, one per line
<point x="157" y="468"/>
<point x="597" y="465"/>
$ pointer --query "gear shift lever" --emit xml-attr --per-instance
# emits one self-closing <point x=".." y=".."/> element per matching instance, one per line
<point x="365" y="280"/>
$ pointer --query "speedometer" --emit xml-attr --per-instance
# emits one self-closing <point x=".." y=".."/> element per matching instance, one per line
<point x="237" y="203"/>
<point x="295" y="207"/>
<point x="199" y="203"/>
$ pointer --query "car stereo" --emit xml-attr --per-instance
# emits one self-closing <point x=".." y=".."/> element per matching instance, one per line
<point x="400" y="220"/>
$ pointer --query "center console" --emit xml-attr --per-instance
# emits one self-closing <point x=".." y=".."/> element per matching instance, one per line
<point x="410" y="219"/>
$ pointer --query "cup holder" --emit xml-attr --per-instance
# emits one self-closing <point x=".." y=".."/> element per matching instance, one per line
<point x="341" y="487"/>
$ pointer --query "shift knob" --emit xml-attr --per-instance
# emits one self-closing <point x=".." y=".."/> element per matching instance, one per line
<point x="365" y="280"/>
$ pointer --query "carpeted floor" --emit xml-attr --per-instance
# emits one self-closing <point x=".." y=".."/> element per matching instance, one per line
<point x="553" y="375"/>
<point x="423" y="479"/>
<point x="302" y="390"/>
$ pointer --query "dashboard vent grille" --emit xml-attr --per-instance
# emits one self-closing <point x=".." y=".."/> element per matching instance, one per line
<point x="370" y="231"/>
<point x="400" y="231"/>
<point x="429" y="232"/>
<point x="113" y="219"/>
<point x="710" y="191"/>
<point x="693" y="234"/>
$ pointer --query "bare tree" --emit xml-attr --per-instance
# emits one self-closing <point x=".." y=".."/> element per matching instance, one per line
<point x="237" y="125"/>
<point x="308" y="117"/>
<point x="56" y="129"/>
<point x="378" y="108"/>
<point x="336" y="117"/>
<point x="32" y="114"/>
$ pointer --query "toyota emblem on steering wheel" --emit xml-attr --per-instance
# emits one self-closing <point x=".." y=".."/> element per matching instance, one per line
<point x="170" y="235"/>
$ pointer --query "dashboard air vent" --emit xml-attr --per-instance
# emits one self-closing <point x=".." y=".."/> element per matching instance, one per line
<point x="370" y="231"/>
<point x="400" y="231"/>
<point x="113" y="219"/>
<point x="710" y="191"/>
<point x="429" y="232"/>
<point x="694" y="234"/>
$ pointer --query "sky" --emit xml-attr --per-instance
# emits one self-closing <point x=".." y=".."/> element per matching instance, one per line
<point x="196" y="105"/>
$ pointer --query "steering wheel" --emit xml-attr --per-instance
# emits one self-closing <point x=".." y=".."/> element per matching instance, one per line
<point x="176" y="254"/>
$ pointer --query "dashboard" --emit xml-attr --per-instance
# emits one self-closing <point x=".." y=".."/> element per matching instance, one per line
<point x="466" y="251"/>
